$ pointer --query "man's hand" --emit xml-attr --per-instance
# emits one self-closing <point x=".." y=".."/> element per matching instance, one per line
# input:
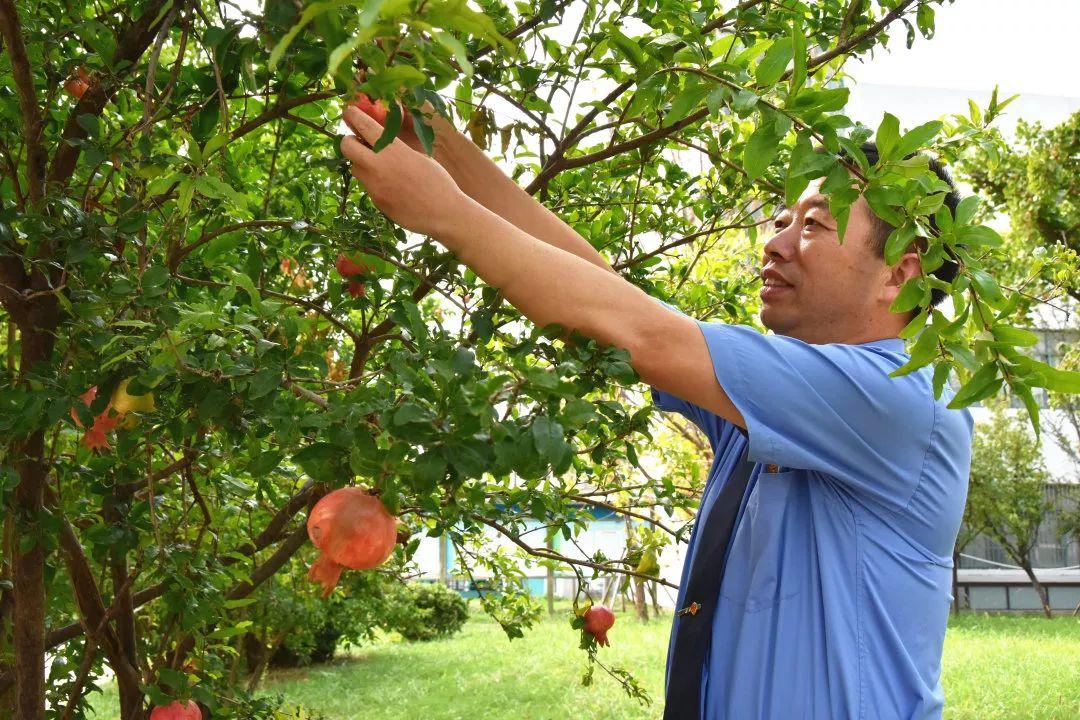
<point x="411" y="188"/>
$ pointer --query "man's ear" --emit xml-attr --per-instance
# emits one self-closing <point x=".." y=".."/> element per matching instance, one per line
<point x="907" y="267"/>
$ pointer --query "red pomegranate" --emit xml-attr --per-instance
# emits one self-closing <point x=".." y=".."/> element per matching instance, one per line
<point x="78" y="84"/>
<point x="352" y="529"/>
<point x="598" y="620"/>
<point x="348" y="267"/>
<point x="177" y="710"/>
<point x="356" y="288"/>
<point x="377" y="110"/>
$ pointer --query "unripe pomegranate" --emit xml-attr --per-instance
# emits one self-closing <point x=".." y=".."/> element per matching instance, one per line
<point x="377" y="110"/>
<point x="352" y="529"/>
<point x="598" y="620"/>
<point x="124" y="403"/>
<point x="177" y="710"/>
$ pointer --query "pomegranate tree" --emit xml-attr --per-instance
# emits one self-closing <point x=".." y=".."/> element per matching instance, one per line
<point x="352" y="529"/>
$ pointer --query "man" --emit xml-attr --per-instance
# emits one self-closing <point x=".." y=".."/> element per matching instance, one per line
<point x="833" y="537"/>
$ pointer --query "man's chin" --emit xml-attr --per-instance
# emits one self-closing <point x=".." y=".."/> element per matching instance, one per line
<point x="776" y="320"/>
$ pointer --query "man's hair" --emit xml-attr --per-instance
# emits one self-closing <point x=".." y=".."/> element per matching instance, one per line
<point x="880" y="229"/>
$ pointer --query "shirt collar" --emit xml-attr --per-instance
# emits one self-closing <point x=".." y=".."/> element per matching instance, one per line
<point x="892" y="344"/>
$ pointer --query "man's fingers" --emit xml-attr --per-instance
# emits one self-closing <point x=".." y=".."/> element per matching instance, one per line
<point x="355" y="151"/>
<point x="362" y="124"/>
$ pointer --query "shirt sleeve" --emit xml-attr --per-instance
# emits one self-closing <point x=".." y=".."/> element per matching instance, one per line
<point x="709" y="422"/>
<point x="830" y="408"/>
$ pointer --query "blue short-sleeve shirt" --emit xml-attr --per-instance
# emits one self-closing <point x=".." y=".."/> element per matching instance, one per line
<point x="837" y="583"/>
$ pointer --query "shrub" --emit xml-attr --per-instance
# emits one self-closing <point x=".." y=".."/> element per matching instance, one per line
<point x="427" y="611"/>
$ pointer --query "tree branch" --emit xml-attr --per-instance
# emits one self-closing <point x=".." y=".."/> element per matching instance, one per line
<point x="11" y="27"/>
<point x="132" y="42"/>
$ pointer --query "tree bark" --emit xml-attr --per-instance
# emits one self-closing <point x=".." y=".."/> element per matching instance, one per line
<point x="131" y="697"/>
<point x="1040" y="590"/>
<point x="38" y="322"/>
<point x="28" y="575"/>
<point x="639" y="600"/>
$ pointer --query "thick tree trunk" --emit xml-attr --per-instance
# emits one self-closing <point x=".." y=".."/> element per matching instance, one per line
<point x="1040" y="590"/>
<point x="7" y="600"/>
<point x="28" y="576"/>
<point x="131" y="697"/>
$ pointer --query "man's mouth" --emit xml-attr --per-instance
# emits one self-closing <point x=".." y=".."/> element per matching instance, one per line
<point x="774" y="287"/>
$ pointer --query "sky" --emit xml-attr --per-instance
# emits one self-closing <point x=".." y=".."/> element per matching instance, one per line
<point x="1027" y="47"/>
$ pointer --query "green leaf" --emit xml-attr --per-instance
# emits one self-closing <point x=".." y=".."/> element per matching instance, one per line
<point x="248" y="286"/>
<point x="914" y="325"/>
<point x="456" y="48"/>
<point x="887" y="136"/>
<point x="1053" y="379"/>
<point x="965" y="209"/>
<point x="1014" y="336"/>
<point x="987" y="287"/>
<point x="978" y="235"/>
<point x="1023" y="391"/>
<point x="982" y="384"/>
<point x="898" y="242"/>
<point x="626" y="47"/>
<point x="798" y="49"/>
<point x="763" y="146"/>
<point x="391" y="129"/>
<point x="309" y="14"/>
<point x="320" y="460"/>
<point x="922" y="353"/>
<point x="423" y="131"/>
<point x="687" y="100"/>
<point x="916" y="138"/>
<point x="774" y="63"/>
<point x="910" y="295"/>
<point x="548" y="438"/>
<point x="410" y="413"/>
<point x="941" y="376"/>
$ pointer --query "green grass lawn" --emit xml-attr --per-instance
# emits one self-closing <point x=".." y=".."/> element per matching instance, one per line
<point x="994" y="667"/>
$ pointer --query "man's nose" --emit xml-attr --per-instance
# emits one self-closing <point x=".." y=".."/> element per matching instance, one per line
<point x="780" y="246"/>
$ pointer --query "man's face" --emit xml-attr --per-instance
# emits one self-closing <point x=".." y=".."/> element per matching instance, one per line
<point x="813" y="287"/>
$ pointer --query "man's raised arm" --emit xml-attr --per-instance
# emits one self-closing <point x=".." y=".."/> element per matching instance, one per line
<point x="482" y="180"/>
<point x="546" y="283"/>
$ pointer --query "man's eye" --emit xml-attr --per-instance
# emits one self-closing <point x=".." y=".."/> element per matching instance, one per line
<point x="810" y="221"/>
<point x="779" y="223"/>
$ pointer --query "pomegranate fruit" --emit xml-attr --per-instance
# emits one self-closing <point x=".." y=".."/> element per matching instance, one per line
<point x="123" y="403"/>
<point x="377" y="110"/>
<point x="347" y="267"/>
<point x="598" y="620"/>
<point x="356" y="288"/>
<point x="177" y="710"/>
<point x="78" y="84"/>
<point x="352" y="529"/>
